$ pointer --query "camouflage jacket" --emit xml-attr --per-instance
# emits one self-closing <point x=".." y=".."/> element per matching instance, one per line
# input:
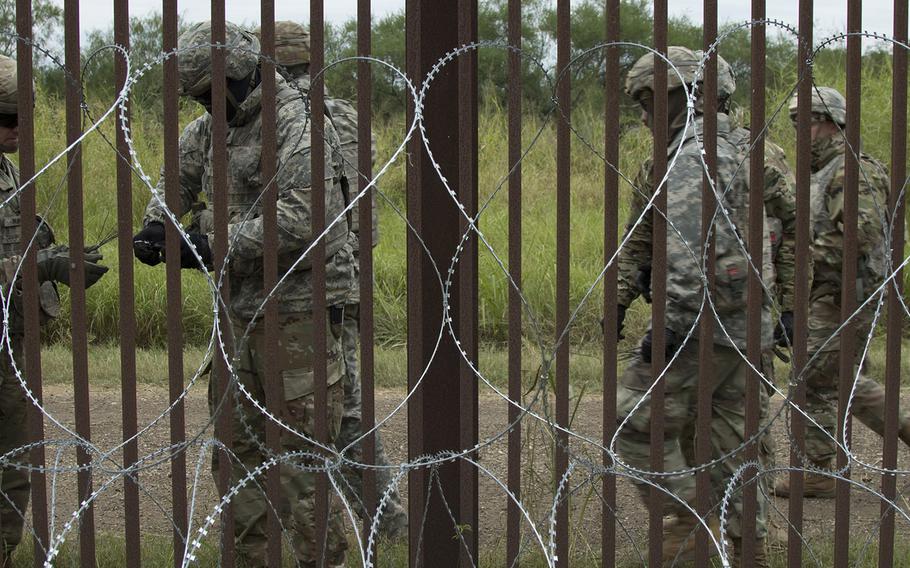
<point x="780" y="209"/>
<point x="827" y="220"/>
<point x="685" y="266"/>
<point x="11" y="250"/>
<point x="245" y="185"/>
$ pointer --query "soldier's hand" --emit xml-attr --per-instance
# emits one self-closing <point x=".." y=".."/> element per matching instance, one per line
<point x="672" y="344"/>
<point x="54" y="265"/>
<point x="148" y="244"/>
<point x="188" y="259"/>
<point x="620" y="317"/>
<point x="93" y="270"/>
<point x="783" y="333"/>
<point x="643" y="282"/>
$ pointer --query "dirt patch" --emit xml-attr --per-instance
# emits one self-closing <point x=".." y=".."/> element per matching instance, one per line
<point x="155" y="477"/>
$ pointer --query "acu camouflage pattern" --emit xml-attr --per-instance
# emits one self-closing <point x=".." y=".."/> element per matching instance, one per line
<point x="245" y="183"/>
<point x="641" y="75"/>
<point x="292" y="43"/>
<point x="195" y="58"/>
<point x="824" y="342"/>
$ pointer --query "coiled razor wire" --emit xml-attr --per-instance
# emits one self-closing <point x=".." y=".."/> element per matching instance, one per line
<point x="540" y="525"/>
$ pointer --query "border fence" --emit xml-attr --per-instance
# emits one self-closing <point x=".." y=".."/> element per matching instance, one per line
<point x="444" y="470"/>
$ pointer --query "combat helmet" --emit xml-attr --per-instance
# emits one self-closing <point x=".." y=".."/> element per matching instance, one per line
<point x="826" y="101"/>
<point x="726" y="80"/>
<point x="641" y="75"/>
<point x="195" y="59"/>
<point x="9" y="102"/>
<point x="292" y="43"/>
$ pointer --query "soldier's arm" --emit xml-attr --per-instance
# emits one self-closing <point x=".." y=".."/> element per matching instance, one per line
<point x="780" y="203"/>
<point x="193" y="149"/>
<point x="872" y="205"/>
<point x="636" y="251"/>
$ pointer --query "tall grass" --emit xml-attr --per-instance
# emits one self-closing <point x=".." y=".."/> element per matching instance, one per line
<point x="538" y="214"/>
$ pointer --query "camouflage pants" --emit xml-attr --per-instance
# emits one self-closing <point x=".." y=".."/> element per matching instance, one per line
<point x="297" y="506"/>
<point x="14" y="484"/>
<point x="394" y="520"/>
<point x="766" y="443"/>
<point x="822" y="376"/>
<point x="727" y="428"/>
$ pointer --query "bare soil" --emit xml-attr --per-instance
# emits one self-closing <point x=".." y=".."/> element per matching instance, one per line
<point x="155" y="477"/>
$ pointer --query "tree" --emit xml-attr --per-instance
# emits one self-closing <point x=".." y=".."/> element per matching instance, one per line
<point x="48" y="23"/>
<point x="98" y="56"/>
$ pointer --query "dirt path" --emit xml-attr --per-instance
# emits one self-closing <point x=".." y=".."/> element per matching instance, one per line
<point x="156" y="484"/>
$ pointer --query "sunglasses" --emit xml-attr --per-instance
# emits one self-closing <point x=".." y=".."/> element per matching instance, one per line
<point x="9" y="120"/>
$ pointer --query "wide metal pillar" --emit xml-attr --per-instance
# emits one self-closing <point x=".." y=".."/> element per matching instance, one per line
<point x="439" y="417"/>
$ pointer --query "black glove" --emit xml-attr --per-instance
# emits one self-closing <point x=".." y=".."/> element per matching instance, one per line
<point x="188" y="259"/>
<point x="671" y="345"/>
<point x="783" y="333"/>
<point x="620" y="316"/>
<point x="148" y="244"/>
<point x="54" y="265"/>
<point x="643" y="282"/>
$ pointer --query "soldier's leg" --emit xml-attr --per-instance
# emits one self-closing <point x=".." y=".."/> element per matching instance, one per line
<point x="14" y="483"/>
<point x="394" y="520"/>
<point x="299" y="483"/>
<point x="250" y="505"/>
<point x="821" y="377"/>
<point x="728" y="428"/>
<point x="633" y="441"/>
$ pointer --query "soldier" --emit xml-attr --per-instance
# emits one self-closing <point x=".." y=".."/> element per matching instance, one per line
<point x="292" y="51"/>
<point x="829" y="155"/>
<point x="53" y="267"/>
<point x="780" y="213"/>
<point x="245" y="235"/>
<point x="685" y="305"/>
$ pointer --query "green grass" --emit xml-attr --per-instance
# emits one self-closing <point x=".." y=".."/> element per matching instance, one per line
<point x="586" y="364"/>
<point x="538" y="214"/>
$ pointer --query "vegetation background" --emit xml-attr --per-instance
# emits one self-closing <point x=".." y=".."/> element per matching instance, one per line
<point x="389" y="100"/>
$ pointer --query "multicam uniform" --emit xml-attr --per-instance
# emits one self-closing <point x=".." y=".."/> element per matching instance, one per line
<point x="295" y="361"/>
<point x="822" y="372"/>
<point x="684" y="306"/>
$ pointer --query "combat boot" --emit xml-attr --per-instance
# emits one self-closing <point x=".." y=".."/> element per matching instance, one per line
<point x="679" y="539"/>
<point x="814" y="484"/>
<point x="904" y="432"/>
<point x="760" y="560"/>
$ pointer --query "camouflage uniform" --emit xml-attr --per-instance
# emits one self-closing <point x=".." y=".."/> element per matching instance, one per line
<point x="685" y="305"/>
<point x="827" y="196"/>
<point x="14" y="482"/>
<point x="245" y="234"/>
<point x="292" y="48"/>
